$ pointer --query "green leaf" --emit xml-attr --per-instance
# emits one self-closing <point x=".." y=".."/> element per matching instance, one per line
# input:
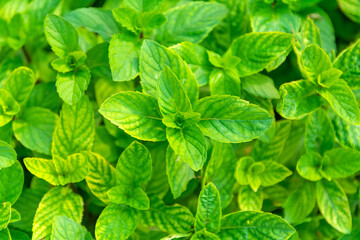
<point x="272" y="150"/>
<point x="221" y="163"/>
<point x="197" y="20"/>
<point x="297" y="99"/>
<point x="128" y="18"/>
<point x="334" y="206"/>
<point x="276" y="17"/>
<point x="171" y="94"/>
<point x="124" y="57"/>
<point x="196" y="57"/>
<point x="350" y="9"/>
<point x="225" y="82"/>
<point x="59" y="171"/>
<point x="209" y="209"/>
<point x="70" y="62"/>
<point x="259" y="50"/>
<point x="300" y="203"/>
<point x="153" y="58"/>
<point x="179" y="173"/>
<point x="274" y="173"/>
<point x="65" y="228"/>
<point x="76" y="129"/>
<point x="8" y="107"/>
<point x="15" y="216"/>
<point x="133" y="168"/>
<point x="224" y="62"/>
<point x="59" y="201"/>
<point x="71" y="86"/>
<point x="61" y="35"/>
<point x="309" y="166"/>
<point x="348" y="61"/>
<point x="341" y="162"/>
<point x="204" y="235"/>
<point x="96" y="20"/>
<point x="260" y="85"/>
<point x="44" y="95"/>
<point x="229" y="118"/>
<point x="247" y="172"/>
<point x="19" y="235"/>
<point x="188" y="143"/>
<point x="343" y="101"/>
<point x="116" y="222"/>
<point x="5" y="214"/>
<point x="254" y="225"/>
<point x="20" y="84"/>
<point x="329" y="77"/>
<point x="136" y="113"/>
<point x="249" y="200"/>
<point x="134" y="197"/>
<point x="314" y="61"/>
<point x="143" y="5"/>
<point x="34" y="129"/>
<point x="170" y="219"/>
<point x="309" y="34"/>
<point x="320" y="134"/>
<point x="5" y="234"/>
<point x="101" y="176"/>
<point x="8" y="155"/>
<point x="11" y="183"/>
<point x="346" y="133"/>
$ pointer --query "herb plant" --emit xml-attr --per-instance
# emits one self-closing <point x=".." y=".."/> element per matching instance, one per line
<point x="179" y="119"/>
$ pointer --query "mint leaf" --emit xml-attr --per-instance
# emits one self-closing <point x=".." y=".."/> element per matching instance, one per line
<point x="116" y="222"/>
<point x="134" y="197"/>
<point x="75" y="130"/>
<point x="260" y="85"/>
<point x="309" y="166"/>
<point x="209" y="210"/>
<point x="340" y="162"/>
<point x="151" y="67"/>
<point x="225" y="82"/>
<point x="11" y="183"/>
<point x="249" y="200"/>
<point x="65" y="228"/>
<point x="5" y="214"/>
<point x="309" y="34"/>
<point x="124" y="57"/>
<point x="333" y="204"/>
<point x="8" y="155"/>
<point x="124" y="110"/>
<point x="350" y="9"/>
<point x="201" y="18"/>
<point x="143" y="5"/>
<point x="254" y="225"/>
<point x="61" y="35"/>
<point x="34" y="129"/>
<point x="8" y="107"/>
<point x="59" y="201"/>
<point x="259" y="50"/>
<point x="179" y="173"/>
<point x="204" y="235"/>
<point x="233" y="114"/>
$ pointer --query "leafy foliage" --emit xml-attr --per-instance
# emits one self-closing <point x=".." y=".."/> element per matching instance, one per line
<point x="179" y="119"/>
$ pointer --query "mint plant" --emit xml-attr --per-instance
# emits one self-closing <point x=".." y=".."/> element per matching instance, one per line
<point x="179" y="119"/>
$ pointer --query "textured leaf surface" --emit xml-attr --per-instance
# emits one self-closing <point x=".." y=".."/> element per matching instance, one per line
<point x="334" y="205"/>
<point x="153" y="58"/>
<point x="65" y="228"/>
<point x="7" y="155"/>
<point x="61" y="35"/>
<point x="297" y="99"/>
<point x="124" y="57"/>
<point x="274" y="173"/>
<point x="101" y="176"/>
<point x="341" y="162"/>
<point x="134" y="197"/>
<point x="20" y="84"/>
<point x="309" y="166"/>
<point x="75" y="130"/>
<point x="343" y="101"/>
<point x="5" y="214"/>
<point x="70" y="170"/>
<point x="9" y="107"/>
<point x="208" y="214"/>
<point x="254" y="225"/>
<point x="34" y="129"/>
<point x="190" y="22"/>
<point x="259" y="50"/>
<point x="260" y="85"/>
<point x="58" y="201"/>
<point x="116" y="222"/>
<point x="225" y="82"/>
<point x="43" y="168"/>
<point x="230" y="119"/>
<point x="136" y="113"/>
<point x="171" y="219"/>
<point x="300" y="203"/>
<point x="249" y="200"/>
<point x="204" y="235"/>
<point x="179" y="173"/>
<point x="348" y="62"/>
<point x="320" y="134"/>
<point x="189" y="143"/>
<point x="11" y="183"/>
